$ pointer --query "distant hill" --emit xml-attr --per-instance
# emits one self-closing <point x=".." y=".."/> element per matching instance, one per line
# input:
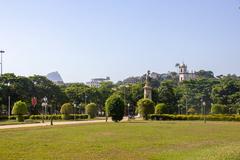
<point x="55" y="77"/>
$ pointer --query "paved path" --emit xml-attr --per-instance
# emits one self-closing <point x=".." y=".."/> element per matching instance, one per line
<point x="48" y="124"/>
<point x="55" y="123"/>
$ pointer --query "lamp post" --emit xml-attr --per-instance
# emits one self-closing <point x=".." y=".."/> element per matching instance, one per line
<point x="125" y="92"/>
<point x="178" y="108"/>
<point x="45" y="101"/>
<point x="9" y="102"/>
<point x="74" y="106"/>
<point x="186" y="106"/>
<point x="1" y="52"/>
<point x="44" y="105"/>
<point x="204" y="111"/>
<point x="129" y="111"/>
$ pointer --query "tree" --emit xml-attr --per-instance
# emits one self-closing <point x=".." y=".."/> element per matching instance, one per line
<point x="81" y="93"/>
<point x="167" y="95"/>
<point x="105" y="91"/>
<point x="218" y="109"/>
<point x="66" y="110"/>
<point x="161" y="108"/>
<point x="137" y="92"/>
<point x="44" y="87"/>
<point x="115" y="107"/>
<point x="91" y="110"/>
<point x="19" y="109"/>
<point x="193" y="92"/>
<point x="145" y="107"/>
<point x="204" y="74"/>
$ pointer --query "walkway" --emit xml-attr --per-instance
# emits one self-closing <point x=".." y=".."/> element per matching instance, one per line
<point x="55" y="123"/>
<point x="48" y="124"/>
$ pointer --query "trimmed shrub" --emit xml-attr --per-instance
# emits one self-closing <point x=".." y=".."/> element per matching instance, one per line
<point x="115" y="108"/>
<point x="145" y="107"/>
<point x="218" y="109"/>
<point x="213" y="117"/>
<point x="161" y="108"/>
<point x="66" y="110"/>
<point x="19" y="109"/>
<point x="91" y="110"/>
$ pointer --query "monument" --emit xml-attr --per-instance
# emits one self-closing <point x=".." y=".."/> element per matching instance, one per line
<point x="147" y="87"/>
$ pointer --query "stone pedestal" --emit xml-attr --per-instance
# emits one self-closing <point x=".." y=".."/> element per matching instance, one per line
<point x="147" y="91"/>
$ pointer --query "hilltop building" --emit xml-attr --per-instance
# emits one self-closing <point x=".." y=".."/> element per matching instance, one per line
<point x="95" y="82"/>
<point x="184" y="75"/>
<point x="55" y="77"/>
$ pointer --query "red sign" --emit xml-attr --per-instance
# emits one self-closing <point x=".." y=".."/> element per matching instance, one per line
<point x="34" y="101"/>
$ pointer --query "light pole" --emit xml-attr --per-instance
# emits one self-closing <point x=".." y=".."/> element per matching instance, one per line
<point x="125" y="87"/>
<point x="178" y="108"/>
<point x="9" y="102"/>
<point x="45" y="101"/>
<point x="44" y="105"/>
<point x="128" y="111"/>
<point x="1" y="52"/>
<point x="186" y="106"/>
<point x="74" y="106"/>
<point x="204" y="110"/>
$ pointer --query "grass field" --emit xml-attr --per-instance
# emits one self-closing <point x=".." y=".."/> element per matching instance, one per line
<point x="123" y="141"/>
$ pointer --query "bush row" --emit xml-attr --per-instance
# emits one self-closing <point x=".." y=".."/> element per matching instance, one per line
<point x="46" y="117"/>
<point x="212" y="117"/>
<point x="59" y="117"/>
<point x="12" y="117"/>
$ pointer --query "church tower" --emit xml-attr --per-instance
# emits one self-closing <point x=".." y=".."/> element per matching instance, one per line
<point x="183" y="73"/>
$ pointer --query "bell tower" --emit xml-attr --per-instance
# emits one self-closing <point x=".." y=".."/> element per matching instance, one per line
<point x="183" y="73"/>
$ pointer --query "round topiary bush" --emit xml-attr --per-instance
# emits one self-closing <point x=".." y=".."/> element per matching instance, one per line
<point x="66" y="110"/>
<point x="218" y="109"/>
<point x="161" y="108"/>
<point x="145" y="107"/>
<point x="115" y="108"/>
<point x="19" y="109"/>
<point x="91" y="110"/>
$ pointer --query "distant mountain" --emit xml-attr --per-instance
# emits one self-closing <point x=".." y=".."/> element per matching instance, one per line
<point x="55" y="77"/>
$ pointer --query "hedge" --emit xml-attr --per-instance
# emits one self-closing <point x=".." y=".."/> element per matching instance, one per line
<point x="59" y="117"/>
<point x="3" y="118"/>
<point x="212" y="117"/>
<point x="13" y="117"/>
<point x="46" y="117"/>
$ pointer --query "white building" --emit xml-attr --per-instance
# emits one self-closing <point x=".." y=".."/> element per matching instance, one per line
<point x="96" y="82"/>
<point x="184" y="75"/>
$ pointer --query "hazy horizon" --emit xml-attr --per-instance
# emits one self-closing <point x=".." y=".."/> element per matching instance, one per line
<point x="87" y="39"/>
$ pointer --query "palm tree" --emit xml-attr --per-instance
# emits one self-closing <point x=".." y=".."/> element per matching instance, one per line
<point x="177" y="65"/>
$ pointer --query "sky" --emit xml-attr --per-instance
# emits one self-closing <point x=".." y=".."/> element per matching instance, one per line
<point x="84" y="39"/>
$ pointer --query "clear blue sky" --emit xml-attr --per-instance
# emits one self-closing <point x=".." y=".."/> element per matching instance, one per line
<point x="83" y="39"/>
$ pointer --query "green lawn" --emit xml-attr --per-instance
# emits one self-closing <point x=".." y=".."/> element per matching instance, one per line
<point x="124" y="141"/>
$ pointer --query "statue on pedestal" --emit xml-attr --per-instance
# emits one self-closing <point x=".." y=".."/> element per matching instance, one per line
<point x="147" y="87"/>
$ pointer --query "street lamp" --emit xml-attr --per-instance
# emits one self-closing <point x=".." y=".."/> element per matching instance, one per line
<point x="204" y="110"/>
<point x="186" y="106"/>
<point x="9" y="102"/>
<point x="178" y="108"/>
<point x="1" y="52"/>
<point x="129" y="111"/>
<point x="44" y="104"/>
<point x="125" y="87"/>
<point x="74" y="106"/>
